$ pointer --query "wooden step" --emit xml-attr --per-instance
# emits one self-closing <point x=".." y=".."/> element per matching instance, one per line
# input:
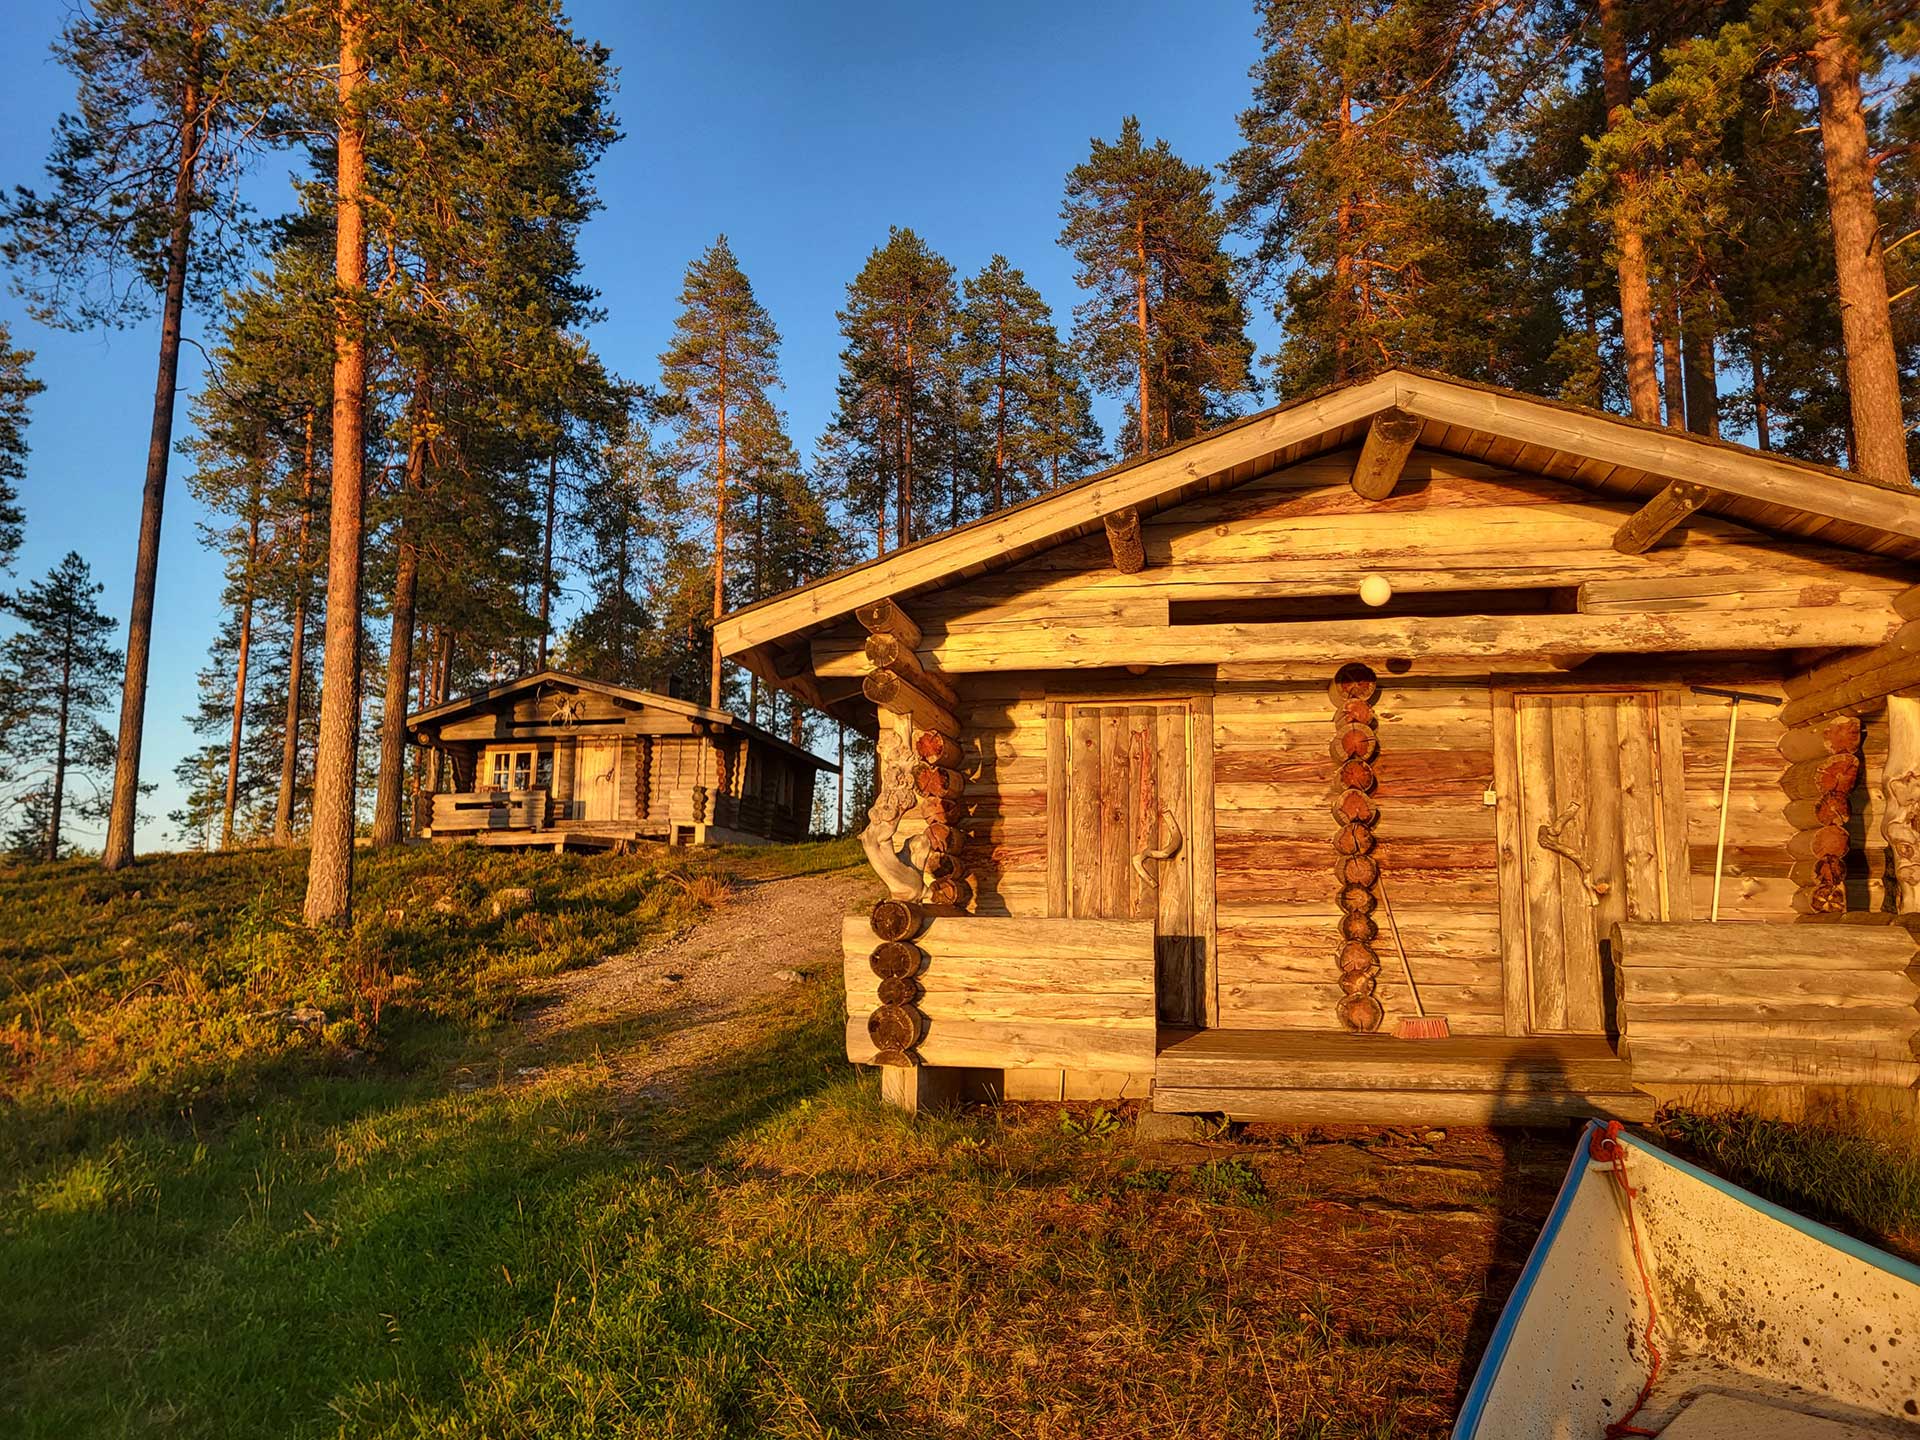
<point x="1330" y="1076"/>
<point x="1403" y="1107"/>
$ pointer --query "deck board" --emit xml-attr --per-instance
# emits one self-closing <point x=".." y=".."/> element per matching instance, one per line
<point x="1331" y="1075"/>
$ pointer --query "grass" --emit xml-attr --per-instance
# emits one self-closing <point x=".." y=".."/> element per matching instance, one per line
<point x="256" y="1183"/>
<point x="1860" y="1177"/>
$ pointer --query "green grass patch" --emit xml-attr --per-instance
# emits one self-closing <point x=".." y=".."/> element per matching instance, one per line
<point x="1855" y="1178"/>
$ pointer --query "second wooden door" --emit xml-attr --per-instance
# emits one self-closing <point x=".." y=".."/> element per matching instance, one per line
<point x="1130" y="827"/>
<point x="1593" y="843"/>
<point x="597" y="779"/>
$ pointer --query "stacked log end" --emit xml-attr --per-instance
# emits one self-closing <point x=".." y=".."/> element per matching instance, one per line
<point x="897" y="1025"/>
<point x="924" y="705"/>
<point x="941" y="783"/>
<point x="1355" y="746"/>
<point x="1823" y="765"/>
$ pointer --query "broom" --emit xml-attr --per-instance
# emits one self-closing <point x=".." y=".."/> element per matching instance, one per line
<point x="1419" y="1025"/>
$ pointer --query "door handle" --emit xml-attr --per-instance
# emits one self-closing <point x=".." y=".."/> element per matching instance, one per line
<point x="1549" y="840"/>
<point x="1167" y="852"/>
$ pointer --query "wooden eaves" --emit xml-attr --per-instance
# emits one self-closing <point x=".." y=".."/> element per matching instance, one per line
<point x="1611" y="455"/>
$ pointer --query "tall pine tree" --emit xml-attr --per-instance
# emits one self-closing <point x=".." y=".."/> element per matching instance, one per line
<point x="1164" y="322"/>
<point x="1031" y="405"/>
<point x="717" y="375"/>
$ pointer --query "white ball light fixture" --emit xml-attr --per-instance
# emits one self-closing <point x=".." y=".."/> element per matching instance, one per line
<point x="1376" y="590"/>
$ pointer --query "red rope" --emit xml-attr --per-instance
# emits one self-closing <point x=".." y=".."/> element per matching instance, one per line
<point x="1607" y="1149"/>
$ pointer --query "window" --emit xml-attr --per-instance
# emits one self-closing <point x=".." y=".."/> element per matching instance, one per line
<point x="528" y="768"/>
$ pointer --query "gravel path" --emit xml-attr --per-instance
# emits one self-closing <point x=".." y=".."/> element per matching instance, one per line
<point x="651" y="1015"/>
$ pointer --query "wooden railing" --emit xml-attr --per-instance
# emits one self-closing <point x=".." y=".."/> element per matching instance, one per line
<point x="457" y="813"/>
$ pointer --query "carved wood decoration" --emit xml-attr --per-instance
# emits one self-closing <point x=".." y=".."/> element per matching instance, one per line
<point x="1355" y="745"/>
<point x="1823" y="762"/>
<point x="1901" y="803"/>
<point x="912" y="839"/>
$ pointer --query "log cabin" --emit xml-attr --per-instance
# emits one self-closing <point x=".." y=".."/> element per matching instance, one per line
<point x="1216" y="777"/>
<point x="554" y="760"/>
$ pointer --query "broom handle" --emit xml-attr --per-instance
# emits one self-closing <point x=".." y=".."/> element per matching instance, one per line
<point x="1419" y="1009"/>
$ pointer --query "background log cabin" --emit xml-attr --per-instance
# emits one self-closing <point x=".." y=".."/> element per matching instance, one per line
<point x="557" y="759"/>
<point x="1540" y="695"/>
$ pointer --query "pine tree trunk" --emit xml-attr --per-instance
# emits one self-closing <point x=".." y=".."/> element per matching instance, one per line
<point x="1000" y="416"/>
<point x="714" y="692"/>
<point x="1673" y="367"/>
<point x="1140" y="320"/>
<point x="296" y="660"/>
<point x="546" y="558"/>
<point x="1762" y="416"/>
<point x="330" y="867"/>
<point x="1866" y="323"/>
<point x="117" y="853"/>
<point x="60" y="749"/>
<point x="240" y="676"/>
<point x="1636" y="302"/>
<point x="1702" y="378"/>
<point x="390" y="786"/>
<point x="903" y="527"/>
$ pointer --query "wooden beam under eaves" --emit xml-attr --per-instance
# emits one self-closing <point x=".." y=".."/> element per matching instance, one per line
<point x="1855" y="681"/>
<point x="1123" y="539"/>
<point x="1383" y="456"/>
<point x="1653" y="521"/>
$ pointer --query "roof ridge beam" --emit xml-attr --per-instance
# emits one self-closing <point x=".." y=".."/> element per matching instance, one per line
<point x="1660" y="516"/>
<point x="1391" y="436"/>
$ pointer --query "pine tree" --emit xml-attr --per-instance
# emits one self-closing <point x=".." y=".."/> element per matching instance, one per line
<point x="1360" y="185"/>
<point x="17" y="388"/>
<point x="1165" y="320"/>
<point x="884" y="445"/>
<point x="1024" y="387"/>
<point x="56" y="672"/>
<point x="142" y="206"/>
<point x="463" y="136"/>
<point x="717" y="373"/>
<point x="1835" y="59"/>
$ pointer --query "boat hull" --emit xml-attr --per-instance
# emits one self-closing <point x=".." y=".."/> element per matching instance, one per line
<point x="1752" y="1302"/>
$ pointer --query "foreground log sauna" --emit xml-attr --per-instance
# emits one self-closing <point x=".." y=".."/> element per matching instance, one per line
<point x="555" y="760"/>
<point x="1597" y="730"/>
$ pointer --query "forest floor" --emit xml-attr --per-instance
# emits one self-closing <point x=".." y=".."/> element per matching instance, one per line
<point x="564" y="1145"/>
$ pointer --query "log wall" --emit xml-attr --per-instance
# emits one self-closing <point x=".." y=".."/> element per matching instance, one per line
<point x="1451" y="524"/>
<point x="1278" y="913"/>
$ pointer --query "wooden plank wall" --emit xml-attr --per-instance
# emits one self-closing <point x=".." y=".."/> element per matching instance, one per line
<point x="1274" y="842"/>
<point x="1003" y="742"/>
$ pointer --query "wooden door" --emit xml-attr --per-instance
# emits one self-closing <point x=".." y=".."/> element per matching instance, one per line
<point x="1131" y="844"/>
<point x="1596" y="838"/>
<point x="596" y="781"/>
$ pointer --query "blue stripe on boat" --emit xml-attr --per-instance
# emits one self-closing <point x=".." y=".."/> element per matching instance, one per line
<point x="1496" y="1352"/>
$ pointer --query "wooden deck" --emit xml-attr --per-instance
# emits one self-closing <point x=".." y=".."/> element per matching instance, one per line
<point x="1332" y="1077"/>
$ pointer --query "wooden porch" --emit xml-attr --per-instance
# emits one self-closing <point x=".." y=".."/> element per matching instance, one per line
<point x="1339" y="1077"/>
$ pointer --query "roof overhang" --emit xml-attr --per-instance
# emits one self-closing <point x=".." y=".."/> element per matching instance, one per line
<point x="1609" y="454"/>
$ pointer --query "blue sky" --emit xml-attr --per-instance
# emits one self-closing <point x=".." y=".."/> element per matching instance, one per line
<point x="800" y="131"/>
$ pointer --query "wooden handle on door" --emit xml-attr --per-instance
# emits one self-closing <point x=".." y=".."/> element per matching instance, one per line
<point x="1141" y="857"/>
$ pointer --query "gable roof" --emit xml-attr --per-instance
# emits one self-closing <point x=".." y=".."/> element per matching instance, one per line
<point x="648" y="698"/>
<point x="1612" y="455"/>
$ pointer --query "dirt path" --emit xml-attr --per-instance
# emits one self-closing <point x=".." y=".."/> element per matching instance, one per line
<point x="652" y="1015"/>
